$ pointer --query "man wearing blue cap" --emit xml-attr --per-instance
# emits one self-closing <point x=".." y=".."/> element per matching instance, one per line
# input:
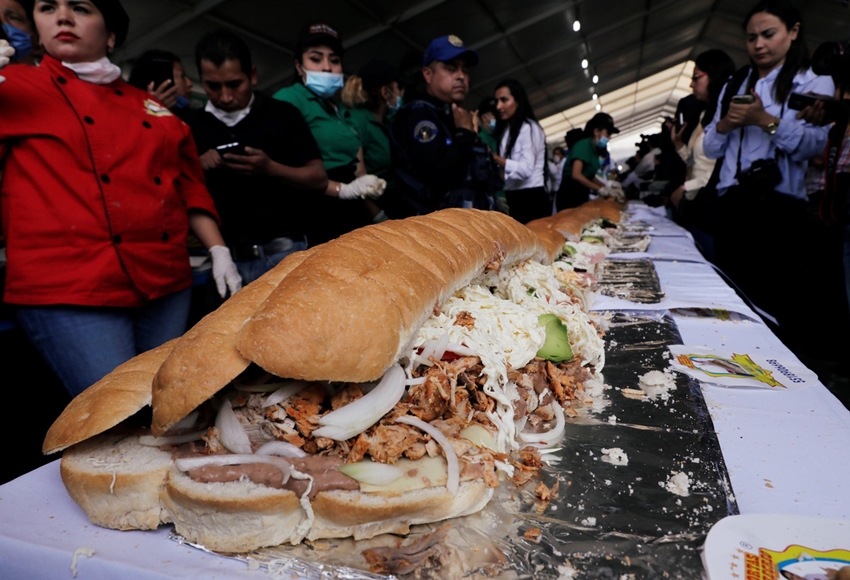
<point x="438" y="158"/>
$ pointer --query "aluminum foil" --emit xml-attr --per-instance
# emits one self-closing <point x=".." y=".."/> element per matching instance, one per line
<point x="632" y="280"/>
<point x="607" y="521"/>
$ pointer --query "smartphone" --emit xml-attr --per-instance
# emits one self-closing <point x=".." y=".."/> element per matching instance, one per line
<point x="161" y="71"/>
<point x="743" y="99"/>
<point x="799" y="101"/>
<point x="680" y="120"/>
<point x="235" y="148"/>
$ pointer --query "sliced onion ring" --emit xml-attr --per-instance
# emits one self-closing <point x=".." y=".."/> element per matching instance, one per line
<point x="152" y="441"/>
<point x="189" y="463"/>
<point x="453" y="481"/>
<point x="371" y="472"/>
<point x="359" y="415"/>
<point x="460" y="349"/>
<point x="186" y="422"/>
<point x="286" y="390"/>
<point x="280" y="448"/>
<point x="230" y="431"/>
<point x="551" y="436"/>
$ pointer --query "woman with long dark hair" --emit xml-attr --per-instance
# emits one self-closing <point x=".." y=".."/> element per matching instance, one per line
<point x="712" y="70"/>
<point x="765" y="149"/>
<point x="522" y="152"/>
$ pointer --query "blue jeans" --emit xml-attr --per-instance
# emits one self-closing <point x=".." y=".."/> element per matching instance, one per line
<point x="253" y="269"/>
<point x="82" y="344"/>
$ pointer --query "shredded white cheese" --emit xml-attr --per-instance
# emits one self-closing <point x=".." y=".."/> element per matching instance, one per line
<point x="84" y="551"/>
<point x="678" y="483"/>
<point x="506" y="333"/>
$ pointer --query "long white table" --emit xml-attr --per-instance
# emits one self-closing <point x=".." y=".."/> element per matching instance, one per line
<point x="783" y="450"/>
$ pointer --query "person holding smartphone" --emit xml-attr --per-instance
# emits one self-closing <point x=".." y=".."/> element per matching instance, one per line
<point x="261" y="182"/>
<point x="765" y="149"/>
<point x="102" y="184"/>
<point x="160" y="73"/>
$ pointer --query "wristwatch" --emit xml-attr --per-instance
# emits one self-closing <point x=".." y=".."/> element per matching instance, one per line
<point x="771" y="127"/>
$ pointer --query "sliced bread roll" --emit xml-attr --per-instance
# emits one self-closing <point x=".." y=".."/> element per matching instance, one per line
<point x="242" y="516"/>
<point x="117" y="481"/>
<point x="375" y="283"/>
<point x="205" y="359"/>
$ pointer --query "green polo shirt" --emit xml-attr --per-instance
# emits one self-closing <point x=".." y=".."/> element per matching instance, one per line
<point x="584" y="150"/>
<point x="375" y="140"/>
<point x="489" y="141"/>
<point x="337" y="141"/>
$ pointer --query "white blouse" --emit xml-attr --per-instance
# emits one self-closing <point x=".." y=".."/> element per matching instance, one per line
<point x="524" y="168"/>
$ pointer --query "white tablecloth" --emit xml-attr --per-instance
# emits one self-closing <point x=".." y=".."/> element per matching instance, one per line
<point x="783" y="449"/>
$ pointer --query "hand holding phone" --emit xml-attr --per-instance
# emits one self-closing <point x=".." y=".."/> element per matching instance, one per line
<point x="747" y="99"/>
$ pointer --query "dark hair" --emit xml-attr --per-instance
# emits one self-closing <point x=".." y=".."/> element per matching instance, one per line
<point x="797" y="58"/>
<point x="221" y="45"/>
<point x="523" y="113"/>
<point x="719" y="67"/>
<point x="573" y="136"/>
<point x="143" y="71"/>
<point x="487" y="105"/>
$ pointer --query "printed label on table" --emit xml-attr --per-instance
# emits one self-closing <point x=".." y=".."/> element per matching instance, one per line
<point x="739" y="369"/>
<point x="776" y="547"/>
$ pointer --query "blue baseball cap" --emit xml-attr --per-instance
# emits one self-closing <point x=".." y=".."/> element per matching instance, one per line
<point x="447" y="48"/>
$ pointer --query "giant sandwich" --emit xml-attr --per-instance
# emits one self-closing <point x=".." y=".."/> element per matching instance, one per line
<point x="387" y="380"/>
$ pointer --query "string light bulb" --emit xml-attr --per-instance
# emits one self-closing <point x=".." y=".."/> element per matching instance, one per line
<point x="595" y="97"/>
<point x="584" y="63"/>
<point x="595" y="79"/>
<point x="598" y="107"/>
<point x="576" y="26"/>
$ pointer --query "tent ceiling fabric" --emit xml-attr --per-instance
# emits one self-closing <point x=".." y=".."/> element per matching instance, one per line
<point x="533" y="41"/>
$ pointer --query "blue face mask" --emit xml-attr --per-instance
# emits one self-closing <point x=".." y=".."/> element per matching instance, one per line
<point x="324" y="84"/>
<point x="397" y="106"/>
<point x="603" y="142"/>
<point x="19" y="40"/>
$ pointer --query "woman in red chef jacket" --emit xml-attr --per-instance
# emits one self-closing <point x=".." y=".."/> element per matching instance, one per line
<point x="101" y="186"/>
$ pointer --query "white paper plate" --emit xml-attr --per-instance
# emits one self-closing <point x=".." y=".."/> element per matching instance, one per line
<point x="771" y="547"/>
<point x="740" y="369"/>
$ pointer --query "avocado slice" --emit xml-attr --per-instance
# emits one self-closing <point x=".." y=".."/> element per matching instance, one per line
<point x="556" y="347"/>
<point x="569" y="250"/>
<point x="596" y="239"/>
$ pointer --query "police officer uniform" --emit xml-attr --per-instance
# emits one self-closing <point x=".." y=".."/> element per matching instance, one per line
<point x="434" y="160"/>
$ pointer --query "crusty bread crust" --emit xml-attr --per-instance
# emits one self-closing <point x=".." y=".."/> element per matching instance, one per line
<point x="608" y="208"/>
<point x="373" y="282"/>
<point x="552" y="239"/>
<point x="205" y="359"/>
<point x="570" y="222"/>
<point x="117" y="481"/>
<point x="114" y="398"/>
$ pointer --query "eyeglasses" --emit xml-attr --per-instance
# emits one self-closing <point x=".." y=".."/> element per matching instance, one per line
<point x="698" y="76"/>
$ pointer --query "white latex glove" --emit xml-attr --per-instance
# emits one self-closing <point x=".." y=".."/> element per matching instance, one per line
<point x="224" y="271"/>
<point x="364" y="187"/>
<point x="6" y="52"/>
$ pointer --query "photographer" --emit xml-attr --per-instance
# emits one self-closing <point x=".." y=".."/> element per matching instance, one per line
<point x="765" y="150"/>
